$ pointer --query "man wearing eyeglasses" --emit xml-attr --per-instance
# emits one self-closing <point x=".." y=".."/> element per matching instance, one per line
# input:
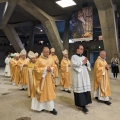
<point x="80" y="79"/>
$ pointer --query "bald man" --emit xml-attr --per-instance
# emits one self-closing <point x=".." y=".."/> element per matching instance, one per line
<point x="44" y="88"/>
<point x="101" y="79"/>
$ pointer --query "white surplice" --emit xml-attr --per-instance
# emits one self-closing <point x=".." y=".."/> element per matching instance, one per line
<point x="79" y="74"/>
<point x="97" y="93"/>
<point x="7" y="67"/>
<point x="47" y="105"/>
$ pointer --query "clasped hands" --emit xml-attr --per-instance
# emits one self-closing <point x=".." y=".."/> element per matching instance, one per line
<point x="84" y="61"/>
<point x="25" y="65"/>
<point x="107" y="67"/>
<point x="49" y="69"/>
<point x="69" y="65"/>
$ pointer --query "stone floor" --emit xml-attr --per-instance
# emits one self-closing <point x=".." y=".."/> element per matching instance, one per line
<point x="15" y="104"/>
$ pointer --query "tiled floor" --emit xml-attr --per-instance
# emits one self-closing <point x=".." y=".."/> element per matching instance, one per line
<point x="15" y="104"/>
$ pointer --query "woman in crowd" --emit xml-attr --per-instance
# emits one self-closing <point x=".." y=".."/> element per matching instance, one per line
<point x="115" y="66"/>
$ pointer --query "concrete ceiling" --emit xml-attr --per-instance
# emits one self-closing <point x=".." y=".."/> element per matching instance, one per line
<point x="50" y="7"/>
<point x="116" y="2"/>
<point x="19" y="15"/>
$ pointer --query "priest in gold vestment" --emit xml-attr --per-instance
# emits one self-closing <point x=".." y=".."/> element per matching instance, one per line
<point x="101" y="79"/>
<point x="17" y="74"/>
<point x="44" y="87"/>
<point x="22" y="66"/>
<point x="65" y="72"/>
<point x="30" y="78"/>
<point x="56" y="65"/>
<point x="13" y="64"/>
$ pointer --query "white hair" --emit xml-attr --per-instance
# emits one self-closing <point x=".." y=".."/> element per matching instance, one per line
<point x="102" y="52"/>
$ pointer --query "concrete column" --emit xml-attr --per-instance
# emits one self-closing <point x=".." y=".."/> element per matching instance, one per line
<point x="119" y="46"/>
<point x="117" y="35"/>
<point x="13" y="38"/>
<point x="66" y="35"/>
<point x="2" y="7"/>
<point x="108" y="27"/>
<point x="1" y="12"/>
<point x="53" y="36"/>
<point x="48" y="23"/>
<point x="1" y="1"/>
<point x="10" y="6"/>
<point x="31" y="39"/>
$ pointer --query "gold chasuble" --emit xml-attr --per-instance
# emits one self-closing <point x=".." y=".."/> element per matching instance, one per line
<point x="23" y="70"/>
<point x="47" y="84"/>
<point x="65" y="73"/>
<point x="55" y="59"/>
<point x="101" y="77"/>
<point x="17" y="75"/>
<point x="30" y="77"/>
<point x="13" y="64"/>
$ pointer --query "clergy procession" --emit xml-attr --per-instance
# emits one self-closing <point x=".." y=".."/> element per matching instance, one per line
<point x="39" y="76"/>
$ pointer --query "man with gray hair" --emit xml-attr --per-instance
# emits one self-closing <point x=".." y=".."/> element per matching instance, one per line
<point x="101" y="79"/>
<point x="43" y="93"/>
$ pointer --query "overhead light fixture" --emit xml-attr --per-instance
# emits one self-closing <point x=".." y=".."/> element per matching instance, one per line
<point x="41" y="42"/>
<point x="65" y="3"/>
<point x="39" y="28"/>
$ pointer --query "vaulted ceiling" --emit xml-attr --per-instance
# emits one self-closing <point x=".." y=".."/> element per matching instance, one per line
<point x="19" y="15"/>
